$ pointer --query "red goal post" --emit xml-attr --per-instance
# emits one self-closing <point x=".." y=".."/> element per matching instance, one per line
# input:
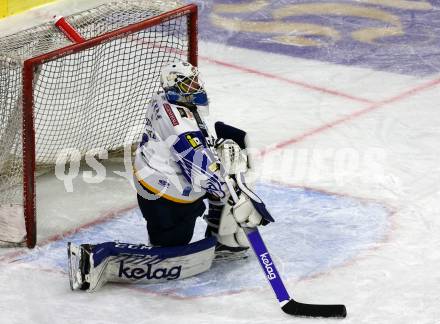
<point x="52" y="89"/>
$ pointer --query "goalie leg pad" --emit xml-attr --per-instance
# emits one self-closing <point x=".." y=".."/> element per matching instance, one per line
<point x="138" y="263"/>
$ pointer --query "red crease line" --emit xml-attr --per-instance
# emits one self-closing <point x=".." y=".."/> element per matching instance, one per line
<point x="375" y="106"/>
<point x="290" y="81"/>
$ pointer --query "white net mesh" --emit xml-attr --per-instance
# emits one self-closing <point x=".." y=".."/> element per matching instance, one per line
<point x="92" y="99"/>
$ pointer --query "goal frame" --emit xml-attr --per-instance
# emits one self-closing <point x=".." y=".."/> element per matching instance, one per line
<point x="31" y="65"/>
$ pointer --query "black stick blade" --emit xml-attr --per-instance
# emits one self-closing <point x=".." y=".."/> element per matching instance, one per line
<point x="312" y="310"/>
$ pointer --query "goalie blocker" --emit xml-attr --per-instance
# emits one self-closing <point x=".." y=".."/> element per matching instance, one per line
<point x="91" y="266"/>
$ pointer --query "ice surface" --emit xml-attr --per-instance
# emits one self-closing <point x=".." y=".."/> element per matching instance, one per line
<point x="363" y="187"/>
<point x="313" y="232"/>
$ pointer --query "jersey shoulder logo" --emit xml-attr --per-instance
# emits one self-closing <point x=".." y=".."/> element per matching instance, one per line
<point x="194" y="141"/>
<point x="170" y="114"/>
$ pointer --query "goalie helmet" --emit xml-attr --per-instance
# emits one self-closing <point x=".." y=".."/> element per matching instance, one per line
<point x="182" y="85"/>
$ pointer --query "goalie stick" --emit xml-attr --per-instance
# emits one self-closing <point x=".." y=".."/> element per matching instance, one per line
<point x="288" y="305"/>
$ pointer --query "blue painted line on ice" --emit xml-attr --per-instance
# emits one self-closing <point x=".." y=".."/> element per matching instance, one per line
<point x="313" y="233"/>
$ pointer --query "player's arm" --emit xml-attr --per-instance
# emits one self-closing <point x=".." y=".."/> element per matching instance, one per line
<point x="198" y="163"/>
<point x="191" y="152"/>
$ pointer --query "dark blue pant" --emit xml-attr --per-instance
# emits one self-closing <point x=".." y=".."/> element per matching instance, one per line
<point x="170" y="223"/>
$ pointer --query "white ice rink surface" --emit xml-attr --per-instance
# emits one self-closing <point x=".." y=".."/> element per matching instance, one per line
<point x="388" y="154"/>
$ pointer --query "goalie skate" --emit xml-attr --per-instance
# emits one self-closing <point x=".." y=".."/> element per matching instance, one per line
<point x="79" y="264"/>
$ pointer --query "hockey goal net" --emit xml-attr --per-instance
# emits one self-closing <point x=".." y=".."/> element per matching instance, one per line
<point x="56" y="94"/>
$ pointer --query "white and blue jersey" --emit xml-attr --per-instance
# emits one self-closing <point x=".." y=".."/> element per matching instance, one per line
<point x="174" y="159"/>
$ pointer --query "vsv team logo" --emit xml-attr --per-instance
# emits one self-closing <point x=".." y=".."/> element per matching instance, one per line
<point x="148" y="272"/>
